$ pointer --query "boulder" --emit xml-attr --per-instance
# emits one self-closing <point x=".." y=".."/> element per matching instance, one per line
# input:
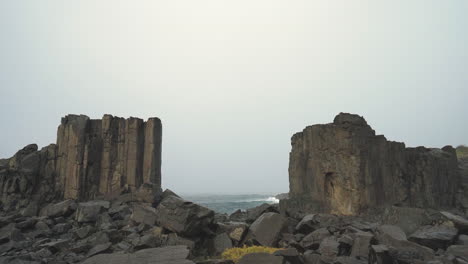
<point x="312" y="222"/>
<point x="89" y="211"/>
<point x="183" y="217"/>
<point x="361" y="244"/>
<point x="290" y="255"/>
<point x="310" y="257"/>
<point x="462" y="240"/>
<point x="64" y="208"/>
<point x="314" y="239"/>
<point x="458" y="251"/>
<point x="266" y="229"/>
<point x="31" y="209"/>
<point x="349" y="260"/>
<point x="256" y="212"/>
<point x="163" y="255"/>
<point x="460" y="222"/>
<point x="26" y="224"/>
<point x="392" y="231"/>
<point x="19" y="260"/>
<point x="404" y="250"/>
<point x="238" y="216"/>
<point x="261" y="258"/>
<point x="98" y="249"/>
<point x="144" y="214"/>
<point x="435" y="237"/>
<point x="235" y="230"/>
<point x="173" y="239"/>
<point x="380" y="254"/>
<point x="220" y="243"/>
<point x="83" y="232"/>
<point x="61" y="228"/>
<point x="10" y="233"/>
<point x="56" y="246"/>
<point x="329" y="248"/>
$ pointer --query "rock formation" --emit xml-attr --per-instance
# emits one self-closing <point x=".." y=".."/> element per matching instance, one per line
<point x="91" y="158"/>
<point x="345" y="168"/>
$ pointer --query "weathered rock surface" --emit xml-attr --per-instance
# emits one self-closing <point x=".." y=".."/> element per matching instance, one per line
<point x="266" y="229"/>
<point x="435" y="237"/>
<point x="164" y="255"/>
<point x="345" y="168"/>
<point x="261" y="258"/>
<point x="91" y="158"/>
<point x="183" y="217"/>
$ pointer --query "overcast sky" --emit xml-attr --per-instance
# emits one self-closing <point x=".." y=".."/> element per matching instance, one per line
<point x="233" y="80"/>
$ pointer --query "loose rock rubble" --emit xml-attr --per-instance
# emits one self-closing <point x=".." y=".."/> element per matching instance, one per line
<point x="177" y="231"/>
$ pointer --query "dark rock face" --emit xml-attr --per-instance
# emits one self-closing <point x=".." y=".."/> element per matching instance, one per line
<point x="435" y="237"/>
<point x="261" y="258"/>
<point x="267" y="229"/>
<point x="345" y="168"/>
<point x="102" y="156"/>
<point x="183" y="217"/>
<point x="91" y="158"/>
<point x="171" y="254"/>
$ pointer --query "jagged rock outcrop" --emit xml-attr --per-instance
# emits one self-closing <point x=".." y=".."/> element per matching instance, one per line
<point x="345" y="168"/>
<point x="462" y="154"/>
<point x="91" y="158"/>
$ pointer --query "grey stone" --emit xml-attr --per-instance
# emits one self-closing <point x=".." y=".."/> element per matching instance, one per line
<point x="260" y="258"/>
<point x="345" y="168"/>
<point x="183" y="217"/>
<point x="64" y="208"/>
<point x="392" y="231"/>
<point x="435" y="237"/>
<point x="349" y="260"/>
<point x="312" y="222"/>
<point x="460" y="222"/>
<point x="174" y="240"/>
<point x="26" y="224"/>
<point x="164" y="255"/>
<point x="220" y="243"/>
<point x="83" y="232"/>
<point x="362" y="242"/>
<point x="458" y="251"/>
<point x="89" y="211"/>
<point x="58" y="245"/>
<point x="267" y="228"/>
<point x="313" y="240"/>
<point x="144" y="214"/>
<point x="462" y="240"/>
<point x="329" y="249"/>
<point x="98" y="249"/>
<point x="61" y="228"/>
<point x="10" y="233"/>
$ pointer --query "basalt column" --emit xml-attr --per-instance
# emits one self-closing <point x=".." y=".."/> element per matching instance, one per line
<point x="345" y="168"/>
<point x="103" y="157"/>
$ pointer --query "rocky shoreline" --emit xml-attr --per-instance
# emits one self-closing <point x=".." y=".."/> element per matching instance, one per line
<point x="171" y="230"/>
<point x="355" y="197"/>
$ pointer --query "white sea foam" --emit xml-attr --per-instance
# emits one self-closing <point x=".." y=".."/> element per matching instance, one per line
<point x="267" y="200"/>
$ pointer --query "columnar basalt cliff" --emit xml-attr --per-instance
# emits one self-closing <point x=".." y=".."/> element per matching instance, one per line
<point x="91" y="158"/>
<point x="345" y="168"/>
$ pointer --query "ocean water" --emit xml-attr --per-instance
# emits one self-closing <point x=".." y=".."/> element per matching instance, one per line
<point x="230" y="203"/>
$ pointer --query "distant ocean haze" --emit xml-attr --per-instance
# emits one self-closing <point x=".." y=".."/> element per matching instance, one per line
<point x="229" y="203"/>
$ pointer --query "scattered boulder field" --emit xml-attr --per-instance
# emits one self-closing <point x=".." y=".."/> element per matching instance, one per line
<point x="329" y="216"/>
<point x="172" y="230"/>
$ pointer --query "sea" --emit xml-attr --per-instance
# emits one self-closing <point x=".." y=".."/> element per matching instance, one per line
<point x="228" y="204"/>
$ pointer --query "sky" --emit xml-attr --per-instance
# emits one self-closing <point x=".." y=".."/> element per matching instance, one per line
<point x="232" y="81"/>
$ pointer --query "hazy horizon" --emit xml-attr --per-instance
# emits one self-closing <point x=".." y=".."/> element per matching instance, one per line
<point x="232" y="81"/>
